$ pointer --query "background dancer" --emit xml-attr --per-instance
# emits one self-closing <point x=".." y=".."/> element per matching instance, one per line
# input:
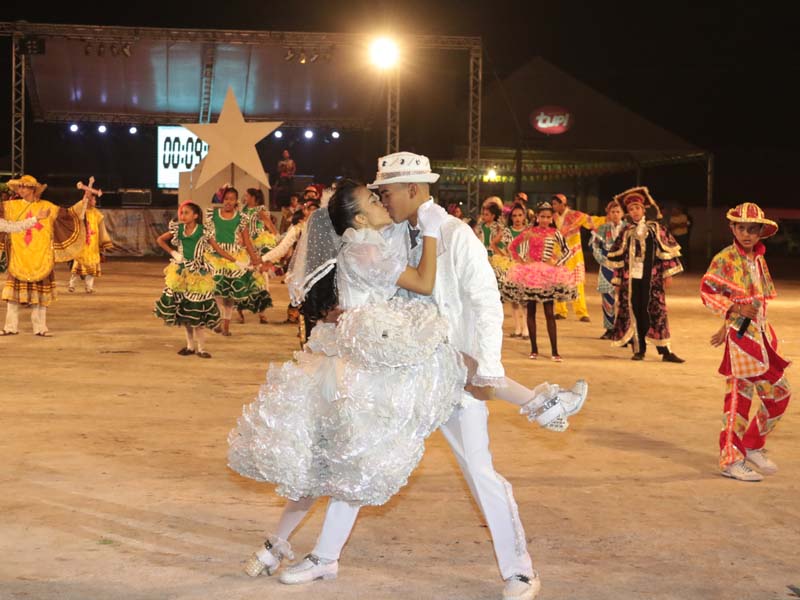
<point x="87" y="265"/>
<point x="264" y="236"/>
<point x="737" y="286"/>
<point x="539" y="275"/>
<point x="569" y="223"/>
<point x="602" y="241"/>
<point x="34" y="252"/>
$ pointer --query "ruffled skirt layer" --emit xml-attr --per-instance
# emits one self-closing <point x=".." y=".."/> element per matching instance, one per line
<point x="349" y="418"/>
<point x="538" y="282"/>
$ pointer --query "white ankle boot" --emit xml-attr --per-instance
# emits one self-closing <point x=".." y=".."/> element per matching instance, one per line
<point x="268" y="558"/>
<point x="522" y="587"/>
<point x="551" y="405"/>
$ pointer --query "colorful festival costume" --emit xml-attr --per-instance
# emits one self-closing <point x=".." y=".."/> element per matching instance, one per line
<point x="569" y="225"/>
<point x="32" y="254"/>
<point x="501" y="262"/>
<point x="542" y="277"/>
<point x="602" y="241"/>
<point x="751" y="362"/>
<point x="188" y="296"/>
<point x="242" y="286"/>
<point x="643" y="256"/>
<point x="87" y="263"/>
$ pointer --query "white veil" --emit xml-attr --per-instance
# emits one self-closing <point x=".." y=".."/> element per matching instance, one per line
<point x="315" y="254"/>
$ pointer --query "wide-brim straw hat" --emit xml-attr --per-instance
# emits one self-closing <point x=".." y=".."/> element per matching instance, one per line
<point x="403" y="167"/>
<point x="26" y="181"/>
<point x="748" y="212"/>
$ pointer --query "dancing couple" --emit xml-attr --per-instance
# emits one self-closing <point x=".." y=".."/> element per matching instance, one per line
<point x="349" y="417"/>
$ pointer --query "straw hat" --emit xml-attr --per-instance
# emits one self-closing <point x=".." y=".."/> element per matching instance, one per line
<point x="403" y="167"/>
<point x="27" y="181"/>
<point x="752" y="213"/>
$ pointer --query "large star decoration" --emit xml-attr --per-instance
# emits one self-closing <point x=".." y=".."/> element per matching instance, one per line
<point x="232" y="141"/>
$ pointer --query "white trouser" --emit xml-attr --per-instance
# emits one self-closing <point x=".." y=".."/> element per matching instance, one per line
<point x="39" y="319"/>
<point x="468" y="435"/>
<point x="12" y="317"/>
<point x="467" y="432"/>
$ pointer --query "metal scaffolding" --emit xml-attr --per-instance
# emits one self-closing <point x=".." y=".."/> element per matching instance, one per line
<point x="393" y="111"/>
<point x="127" y="36"/>
<point x="17" y="107"/>
<point x="474" y="129"/>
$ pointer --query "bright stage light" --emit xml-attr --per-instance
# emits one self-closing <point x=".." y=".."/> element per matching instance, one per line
<point x="278" y="134"/>
<point x="491" y="175"/>
<point x="132" y="130"/>
<point x="73" y="128"/>
<point x="102" y="128"/>
<point x="384" y="53"/>
<point x="335" y="135"/>
<point x="308" y="134"/>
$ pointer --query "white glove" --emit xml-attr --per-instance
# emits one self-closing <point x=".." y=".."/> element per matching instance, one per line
<point x="430" y="217"/>
<point x="177" y="257"/>
<point x="243" y="265"/>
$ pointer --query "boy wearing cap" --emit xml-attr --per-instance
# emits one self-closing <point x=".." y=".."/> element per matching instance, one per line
<point x="737" y="286"/>
<point x="643" y="258"/>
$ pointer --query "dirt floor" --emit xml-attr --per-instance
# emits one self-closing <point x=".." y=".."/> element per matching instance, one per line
<point x="115" y="485"/>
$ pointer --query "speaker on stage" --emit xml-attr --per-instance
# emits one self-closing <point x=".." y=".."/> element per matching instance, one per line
<point x="136" y="197"/>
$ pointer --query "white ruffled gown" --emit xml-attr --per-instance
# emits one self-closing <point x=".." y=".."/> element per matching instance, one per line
<point x="348" y="418"/>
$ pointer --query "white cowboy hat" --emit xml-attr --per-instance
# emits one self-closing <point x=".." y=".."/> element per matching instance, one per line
<point x="403" y="167"/>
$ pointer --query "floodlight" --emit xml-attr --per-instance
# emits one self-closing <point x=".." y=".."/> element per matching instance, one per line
<point x="384" y="53"/>
<point x="308" y="134"/>
<point x="335" y="135"/>
<point x="303" y="57"/>
<point x="289" y="54"/>
<point x="278" y="134"/>
<point x="102" y="128"/>
<point x="133" y="129"/>
<point x="73" y="128"/>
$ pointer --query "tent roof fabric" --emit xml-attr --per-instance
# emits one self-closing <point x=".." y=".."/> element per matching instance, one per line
<point x="601" y="126"/>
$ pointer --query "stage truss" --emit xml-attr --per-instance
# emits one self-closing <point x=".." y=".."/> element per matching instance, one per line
<point x="26" y="35"/>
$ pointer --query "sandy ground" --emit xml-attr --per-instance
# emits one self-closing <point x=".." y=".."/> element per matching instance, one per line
<point x="115" y="485"/>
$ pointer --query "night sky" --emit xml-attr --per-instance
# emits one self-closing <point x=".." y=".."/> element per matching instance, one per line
<point x="715" y="73"/>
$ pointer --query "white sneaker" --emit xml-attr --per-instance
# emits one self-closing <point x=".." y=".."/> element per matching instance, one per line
<point x="268" y="559"/>
<point x="574" y="398"/>
<point x="310" y="568"/>
<point x="739" y="470"/>
<point x="522" y="587"/>
<point x="761" y="461"/>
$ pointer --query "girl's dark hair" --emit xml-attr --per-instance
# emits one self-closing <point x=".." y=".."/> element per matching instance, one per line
<point x="231" y="189"/>
<point x="517" y="206"/>
<point x="343" y="206"/>
<point x="298" y="216"/>
<point x="196" y="210"/>
<point x="257" y="194"/>
<point x="319" y="300"/>
<point x="494" y="209"/>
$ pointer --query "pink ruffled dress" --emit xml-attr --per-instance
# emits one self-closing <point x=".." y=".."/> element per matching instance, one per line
<point x="541" y="275"/>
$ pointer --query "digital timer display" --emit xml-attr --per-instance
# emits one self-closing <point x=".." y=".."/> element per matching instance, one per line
<point x="178" y="150"/>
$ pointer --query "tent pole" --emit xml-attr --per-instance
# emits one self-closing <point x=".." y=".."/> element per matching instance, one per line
<point x="709" y="200"/>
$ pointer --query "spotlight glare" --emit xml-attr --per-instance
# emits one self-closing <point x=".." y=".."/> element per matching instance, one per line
<point x="73" y="128"/>
<point x="335" y="135"/>
<point x="384" y="53"/>
<point x="491" y="175"/>
<point x="303" y="59"/>
<point x="102" y="128"/>
<point x="278" y="134"/>
<point x="133" y="129"/>
<point x="308" y="134"/>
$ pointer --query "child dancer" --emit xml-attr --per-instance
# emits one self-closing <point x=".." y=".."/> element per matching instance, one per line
<point x="737" y="287"/>
<point x="602" y="241"/>
<point x="264" y="236"/>
<point x="188" y="296"/>
<point x="502" y="261"/>
<point x="235" y="282"/>
<point x="540" y="276"/>
<point x="86" y="265"/>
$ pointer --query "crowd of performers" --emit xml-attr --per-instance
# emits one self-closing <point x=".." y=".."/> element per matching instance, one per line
<point x="392" y="290"/>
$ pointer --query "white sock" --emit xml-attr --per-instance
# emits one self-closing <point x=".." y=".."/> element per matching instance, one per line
<point x="73" y="279"/>
<point x="89" y="282"/>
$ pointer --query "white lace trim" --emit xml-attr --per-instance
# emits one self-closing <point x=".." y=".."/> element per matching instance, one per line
<point x="485" y="381"/>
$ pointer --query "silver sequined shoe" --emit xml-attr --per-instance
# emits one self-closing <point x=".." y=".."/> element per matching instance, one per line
<point x="268" y="559"/>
